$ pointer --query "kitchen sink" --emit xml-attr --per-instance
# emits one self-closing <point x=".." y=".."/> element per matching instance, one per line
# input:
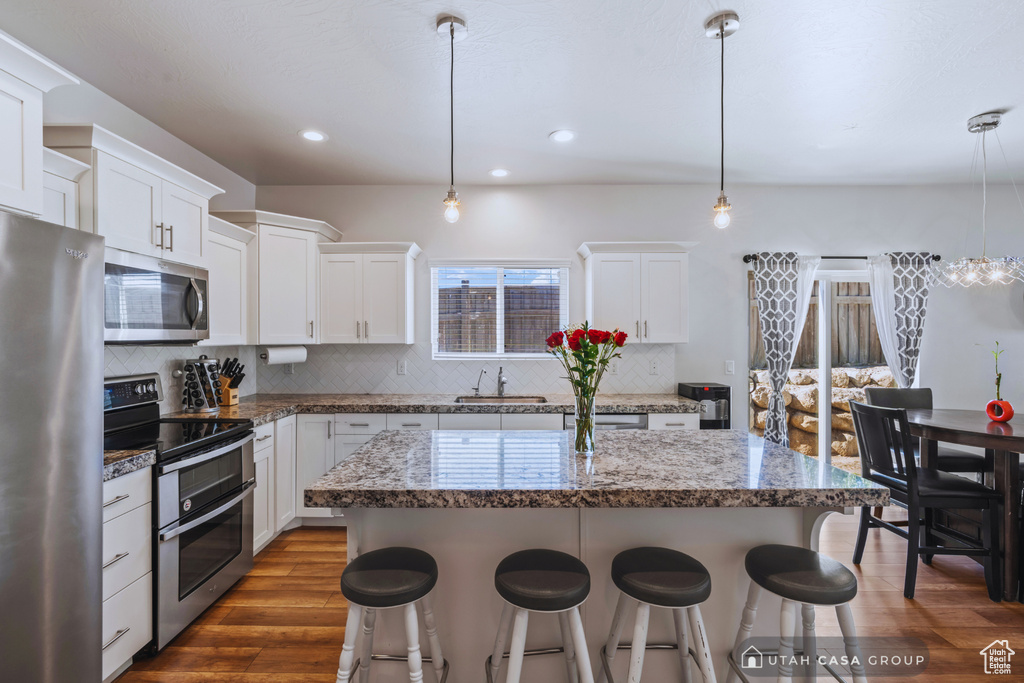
<point x="501" y="399"/>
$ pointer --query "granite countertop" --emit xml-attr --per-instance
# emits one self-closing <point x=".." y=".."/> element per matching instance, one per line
<point x="631" y="469"/>
<point x="264" y="408"/>
<point x="119" y="463"/>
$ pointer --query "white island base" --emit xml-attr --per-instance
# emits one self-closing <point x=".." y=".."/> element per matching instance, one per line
<point x="469" y="543"/>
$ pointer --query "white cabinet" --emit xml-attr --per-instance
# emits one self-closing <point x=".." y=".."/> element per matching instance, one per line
<point x="60" y="188"/>
<point x="641" y="288"/>
<point x="469" y="421"/>
<point x="367" y="296"/>
<point x="24" y="77"/>
<point x="347" y="444"/>
<point x="127" y="624"/>
<point x="229" y="263"/>
<point x="314" y="456"/>
<point x="415" y="421"/>
<point x="264" y="498"/>
<point x="673" y="421"/>
<point x="284" y="457"/>
<point x="537" y="421"/>
<point x="352" y="430"/>
<point x="136" y="200"/>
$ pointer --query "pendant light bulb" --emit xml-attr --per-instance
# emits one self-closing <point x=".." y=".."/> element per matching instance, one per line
<point x="722" y="209"/>
<point x="719" y="27"/>
<point x="451" y="204"/>
<point x="453" y="27"/>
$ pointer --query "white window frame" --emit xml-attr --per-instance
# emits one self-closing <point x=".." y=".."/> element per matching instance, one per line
<point x="500" y="265"/>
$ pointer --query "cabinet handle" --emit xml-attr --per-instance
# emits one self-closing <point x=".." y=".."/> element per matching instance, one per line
<point x="645" y="330"/>
<point x="359" y="424"/>
<point x="310" y="329"/>
<point x="357" y="329"/>
<point x="160" y="227"/>
<point x="117" y="637"/>
<point x="676" y="424"/>
<point x="412" y="424"/>
<point x="637" y="328"/>
<point x="328" y="430"/>
<point x="366" y="329"/>
<point x="117" y="558"/>
<point x="264" y="438"/>
<point x="170" y="231"/>
<point x="110" y="502"/>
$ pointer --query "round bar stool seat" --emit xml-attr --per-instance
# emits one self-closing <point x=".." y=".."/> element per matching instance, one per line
<point x="801" y="575"/>
<point x="661" y="576"/>
<point x="542" y="580"/>
<point x="389" y="577"/>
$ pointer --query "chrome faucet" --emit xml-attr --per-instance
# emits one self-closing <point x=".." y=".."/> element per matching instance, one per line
<point x="476" y="389"/>
<point x="502" y="381"/>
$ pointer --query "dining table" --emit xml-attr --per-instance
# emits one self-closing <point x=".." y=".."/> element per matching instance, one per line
<point x="1005" y="444"/>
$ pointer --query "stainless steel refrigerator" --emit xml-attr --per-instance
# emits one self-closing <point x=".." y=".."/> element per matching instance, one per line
<point x="51" y="445"/>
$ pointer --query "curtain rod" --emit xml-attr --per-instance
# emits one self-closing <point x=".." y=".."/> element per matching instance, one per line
<point x="747" y="258"/>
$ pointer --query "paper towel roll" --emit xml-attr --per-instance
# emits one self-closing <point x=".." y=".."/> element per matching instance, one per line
<point x="280" y="355"/>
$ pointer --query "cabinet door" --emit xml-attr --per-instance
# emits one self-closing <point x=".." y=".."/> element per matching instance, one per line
<point x="462" y="421"/>
<point x="263" y="499"/>
<point x="284" y="461"/>
<point x="665" y="297"/>
<point x="347" y="444"/>
<point x="314" y="456"/>
<point x="128" y="206"/>
<point x="384" y="319"/>
<point x="185" y="219"/>
<point x="21" y="145"/>
<point x="60" y="201"/>
<point x="615" y="283"/>
<point x="341" y="298"/>
<point x="673" y="421"/>
<point x="287" y="286"/>
<point x="226" y="259"/>
<point x="532" y="421"/>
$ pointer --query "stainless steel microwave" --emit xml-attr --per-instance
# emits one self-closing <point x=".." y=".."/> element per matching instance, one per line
<point x="148" y="300"/>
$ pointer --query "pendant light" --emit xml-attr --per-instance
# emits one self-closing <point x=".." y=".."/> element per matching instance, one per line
<point x="965" y="271"/>
<point x="719" y="27"/>
<point x="455" y="28"/>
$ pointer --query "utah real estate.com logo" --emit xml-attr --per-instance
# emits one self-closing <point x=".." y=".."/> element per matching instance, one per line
<point x="997" y="657"/>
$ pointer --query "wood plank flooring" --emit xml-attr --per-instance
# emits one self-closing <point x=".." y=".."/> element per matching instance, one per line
<point x="285" y="621"/>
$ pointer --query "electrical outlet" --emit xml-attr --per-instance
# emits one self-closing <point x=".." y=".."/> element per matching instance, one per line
<point x="613" y="367"/>
<point x="730" y="367"/>
<point x="403" y="367"/>
<point x="654" y="367"/>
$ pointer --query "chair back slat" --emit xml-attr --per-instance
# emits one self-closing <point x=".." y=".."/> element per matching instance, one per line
<point x="909" y="399"/>
<point x="886" y="446"/>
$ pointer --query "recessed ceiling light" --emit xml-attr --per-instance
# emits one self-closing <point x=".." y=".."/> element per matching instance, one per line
<point x="563" y="135"/>
<point x="313" y="135"/>
<point x="499" y="172"/>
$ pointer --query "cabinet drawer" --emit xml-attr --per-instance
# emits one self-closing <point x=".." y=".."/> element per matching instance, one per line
<point x="127" y="549"/>
<point x="359" y="423"/>
<point x="469" y="421"/>
<point x="673" y="421"/>
<point x="412" y="420"/>
<point x="127" y="623"/>
<point x="127" y="493"/>
<point x="263" y="437"/>
<point x="532" y="421"/>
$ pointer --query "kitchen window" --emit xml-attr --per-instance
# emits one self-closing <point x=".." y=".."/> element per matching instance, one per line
<point x="497" y="310"/>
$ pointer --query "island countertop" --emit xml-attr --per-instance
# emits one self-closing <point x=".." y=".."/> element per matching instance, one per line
<point x="631" y="469"/>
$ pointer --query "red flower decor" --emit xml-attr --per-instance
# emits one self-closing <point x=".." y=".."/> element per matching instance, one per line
<point x="620" y="338"/>
<point x="555" y="339"/>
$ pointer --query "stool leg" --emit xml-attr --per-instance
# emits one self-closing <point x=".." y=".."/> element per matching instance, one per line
<point x="701" y="645"/>
<point x="636" y="653"/>
<point x="746" y="626"/>
<point x="683" y="642"/>
<point x="366" y="651"/>
<point x="432" y="639"/>
<point x="787" y="624"/>
<point x="849" y="630"/>
<point x="615" y="635"/>
<point x="355" y="613"/>
<point x="580" y="641"/>
<point x="517" y="648"/>
<point x="412" y="635"/>
<point x="570" y="651"/>
<point x="810" y="640"/>
<point x="504" y="624"/>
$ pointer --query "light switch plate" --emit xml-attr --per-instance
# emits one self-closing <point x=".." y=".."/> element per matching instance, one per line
<point x="654" y="366"/>
<point x="730" y="367"/>
<point x="403" y="367"/>
<point x="613" y="367"/>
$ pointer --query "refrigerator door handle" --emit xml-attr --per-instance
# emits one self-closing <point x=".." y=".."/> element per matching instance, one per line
<point x="199" y="298"/>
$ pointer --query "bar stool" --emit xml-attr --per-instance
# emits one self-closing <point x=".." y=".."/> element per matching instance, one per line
<point x="659" y="577"/>
<point x="548" y="582"/>
<point x="804" y="577"/>
<point x="384" y="579"/>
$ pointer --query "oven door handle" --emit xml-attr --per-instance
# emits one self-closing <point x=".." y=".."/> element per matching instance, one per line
<point x="199" y="459"/>
<point x="246" y="491"/>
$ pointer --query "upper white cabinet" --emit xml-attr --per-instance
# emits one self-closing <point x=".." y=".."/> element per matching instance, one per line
<point x="229" y="258"/>
<point x="24" y="77"/>
<point x="286" y="309"/>
<point x="639" y="287"/>
<point x="60" y="188"/>
<point x="136" y="200"/>
<point x="366" y="292"/>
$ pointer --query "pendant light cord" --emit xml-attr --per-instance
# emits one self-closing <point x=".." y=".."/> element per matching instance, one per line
<point x="721" y="29"/>
<point x="451" y="100"/>
<point x="984" y="195"/>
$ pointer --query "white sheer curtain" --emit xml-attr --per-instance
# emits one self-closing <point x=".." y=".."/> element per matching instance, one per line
<point x="899" y="298"/>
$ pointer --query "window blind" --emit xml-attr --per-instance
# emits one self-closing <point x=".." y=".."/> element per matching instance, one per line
<point x="496" y="310"/>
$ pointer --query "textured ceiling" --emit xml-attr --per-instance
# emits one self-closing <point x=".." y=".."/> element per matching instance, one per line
<point x="817" y="91"/>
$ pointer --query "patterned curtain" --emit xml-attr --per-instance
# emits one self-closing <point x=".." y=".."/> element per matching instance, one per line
<point x="899" y="298"/>
<point x="783" y="283"/>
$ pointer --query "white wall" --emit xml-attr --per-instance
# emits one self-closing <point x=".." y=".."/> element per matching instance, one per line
<point x="551" y="221"/>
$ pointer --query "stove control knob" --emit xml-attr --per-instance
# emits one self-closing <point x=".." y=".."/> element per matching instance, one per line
<point x="151" y="387"/>
<point x="140" y="389"/>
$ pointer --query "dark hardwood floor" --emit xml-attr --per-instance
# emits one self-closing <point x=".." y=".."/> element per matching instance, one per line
<point x="284" y="622"/>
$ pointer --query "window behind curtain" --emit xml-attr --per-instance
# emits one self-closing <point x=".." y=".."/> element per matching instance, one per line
<point x="496" y="310"/>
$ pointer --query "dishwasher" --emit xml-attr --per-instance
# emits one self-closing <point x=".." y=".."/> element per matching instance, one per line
<point x="611" y="421"/>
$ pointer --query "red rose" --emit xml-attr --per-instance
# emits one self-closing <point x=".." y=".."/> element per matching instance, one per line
<point x="555" y="339"/>
<point x="606" y="337"/>
<point x="575" y="338"/>
<point x="595" y="336"/>
<point x="620" y="338"/>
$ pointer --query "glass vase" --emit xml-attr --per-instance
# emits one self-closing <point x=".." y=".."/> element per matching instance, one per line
<point x="584" y="436"/>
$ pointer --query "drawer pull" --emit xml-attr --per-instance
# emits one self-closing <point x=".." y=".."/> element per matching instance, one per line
<point x="264" y="438"/>
<point x="676" y="424"/>
<point x="117" y="558"/>
<point x="412" y="424"/>
<point x="118" y="499"/>
<point x="359" y="424"/>
<point x="117" y="637"/>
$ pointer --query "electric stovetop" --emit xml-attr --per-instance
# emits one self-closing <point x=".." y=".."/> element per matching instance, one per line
<point x="172" y="437"/>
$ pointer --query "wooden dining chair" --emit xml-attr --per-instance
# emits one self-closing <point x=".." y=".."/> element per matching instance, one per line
<point x="887" y="458"/>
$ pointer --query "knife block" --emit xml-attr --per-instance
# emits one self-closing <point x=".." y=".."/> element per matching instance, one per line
<point x="229" y="397"/>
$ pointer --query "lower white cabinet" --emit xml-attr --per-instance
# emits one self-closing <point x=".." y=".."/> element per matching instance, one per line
<point x="127" y="548"/>
<point x="314" y="453"/>
<point x="347" y="444"/>
<point x="284" y="461"/>
<point x="531" y="421"/>
<point x="263" y="499"/>
<point x="420" y="421"/>
<point x="127" y="624"/>
<point x="469" y="421"/>
<point x="673" y="421"/>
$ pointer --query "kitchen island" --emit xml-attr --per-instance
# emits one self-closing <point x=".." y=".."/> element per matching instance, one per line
<point x="471" y="498"/>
